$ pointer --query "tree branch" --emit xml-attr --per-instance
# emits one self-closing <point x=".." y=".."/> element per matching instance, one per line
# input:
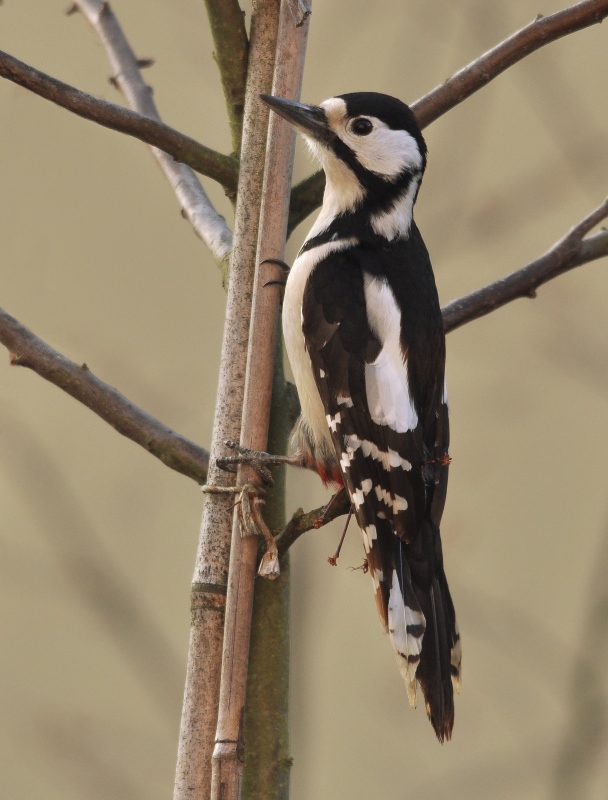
<point x="571" y="251"/>
<point x="175" y="451"/>
<point x="305" y="521"/>
<point x="223" y="169"/>
<point x="491" y="64"/>
<point x="308" y="194"/>
<point x="207" y="223"/>
<point x="227" y="23"/>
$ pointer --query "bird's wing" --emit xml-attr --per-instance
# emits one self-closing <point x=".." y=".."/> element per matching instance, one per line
<point x="391" y="449"/>
<point x="353" y="333"/>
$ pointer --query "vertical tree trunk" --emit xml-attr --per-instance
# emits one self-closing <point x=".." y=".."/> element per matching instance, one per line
<point x="267" y="760"/>
<point x="228" y="755"/>
<point x="199" y="715"/>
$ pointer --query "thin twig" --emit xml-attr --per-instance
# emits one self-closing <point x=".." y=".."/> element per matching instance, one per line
<point x="519" y="45"/>
<point x="227" y="23"/>
<point x="308" y="194"/>
<point x="208" y="224"/>
<point x="223" y="169"/>
<point x="175" y="451"/>
<point x="301" y="522"/>
<point x="570" y="251"/>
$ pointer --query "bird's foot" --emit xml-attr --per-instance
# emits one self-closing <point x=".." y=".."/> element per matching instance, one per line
<point x="283" y="267"/>
<point x="256" y="459"/>
<point x="333" y="560"/>
<point x="445" y="460"/>
<point x="337" y="499"/>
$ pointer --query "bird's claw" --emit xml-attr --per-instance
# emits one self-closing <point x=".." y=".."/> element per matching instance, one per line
<point x="246" y="456"/>
<point x="283" y="267"/>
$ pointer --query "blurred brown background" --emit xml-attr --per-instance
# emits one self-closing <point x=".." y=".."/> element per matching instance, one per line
<point x="97" y="539"/>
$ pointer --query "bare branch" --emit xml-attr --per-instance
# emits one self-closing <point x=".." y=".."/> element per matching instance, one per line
<point x="227" y="23"/>
<point x="175" y="451"/>
<point x="488" y="66"/>
<point x="571" y="251"/>
<point x="223" y="169"/>
<point x="305" y="521"/>
<point x="208" y="224"/>
<point x="308" y="194"/>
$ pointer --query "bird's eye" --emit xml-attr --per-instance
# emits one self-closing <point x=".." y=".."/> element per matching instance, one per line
<point x="362" y="126"/>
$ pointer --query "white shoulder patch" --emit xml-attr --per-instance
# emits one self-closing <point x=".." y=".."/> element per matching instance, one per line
<point x="386" y="381"/>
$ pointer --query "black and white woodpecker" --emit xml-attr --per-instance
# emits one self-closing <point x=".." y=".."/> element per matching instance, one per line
<point x="364" y="335"/>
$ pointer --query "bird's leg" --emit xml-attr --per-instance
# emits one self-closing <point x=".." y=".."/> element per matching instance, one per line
<point x="284" y="269"/>
<point x="256" y="459"/>
<point x="333" y="560"/>
<point x="338" y="497"/>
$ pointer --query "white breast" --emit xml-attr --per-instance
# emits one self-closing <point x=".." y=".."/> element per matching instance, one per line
<point x="312" y="407"/>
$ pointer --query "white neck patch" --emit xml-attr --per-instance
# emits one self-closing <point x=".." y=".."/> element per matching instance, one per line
<point x="395" y="223"/>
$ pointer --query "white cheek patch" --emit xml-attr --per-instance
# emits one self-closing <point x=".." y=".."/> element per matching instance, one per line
<point x="385" y="151"/>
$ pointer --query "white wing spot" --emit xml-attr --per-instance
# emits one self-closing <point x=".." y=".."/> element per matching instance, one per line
<point x="345" y="460"/>
<point x="322" y="373"/>
<point x="369" y="534"/>
<point x="358" y="496"/>
<point x="344" y="401"/>
<point x="396" y="502"/>
<point x="389" y="459"/>
<point x="333" y="422"/>
<point x="377" y="577"/>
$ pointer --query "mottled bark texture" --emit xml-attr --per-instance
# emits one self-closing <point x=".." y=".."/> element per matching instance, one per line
<point x="197" y="733"/>
<point x="227" y="764"/>
<point x="227" y="22"/>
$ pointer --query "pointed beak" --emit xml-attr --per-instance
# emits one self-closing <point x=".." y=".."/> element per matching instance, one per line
<point x="310" y="120"/>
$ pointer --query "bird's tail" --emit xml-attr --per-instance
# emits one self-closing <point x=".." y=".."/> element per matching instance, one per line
<point x="422" y="623"/>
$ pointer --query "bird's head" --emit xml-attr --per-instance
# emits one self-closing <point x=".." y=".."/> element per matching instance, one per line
<point x="369" y="144"/>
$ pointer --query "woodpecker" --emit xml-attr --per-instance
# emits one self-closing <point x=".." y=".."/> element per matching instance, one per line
<point x="365" y="340"/>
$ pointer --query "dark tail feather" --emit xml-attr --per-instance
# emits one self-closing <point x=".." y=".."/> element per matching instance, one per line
<point x="438" y="672"/>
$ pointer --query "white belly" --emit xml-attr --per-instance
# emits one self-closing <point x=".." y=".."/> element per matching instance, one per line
<point x="312" y="407"/>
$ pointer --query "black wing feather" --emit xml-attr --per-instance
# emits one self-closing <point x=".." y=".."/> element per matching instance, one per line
<point x="385" y="470"/>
